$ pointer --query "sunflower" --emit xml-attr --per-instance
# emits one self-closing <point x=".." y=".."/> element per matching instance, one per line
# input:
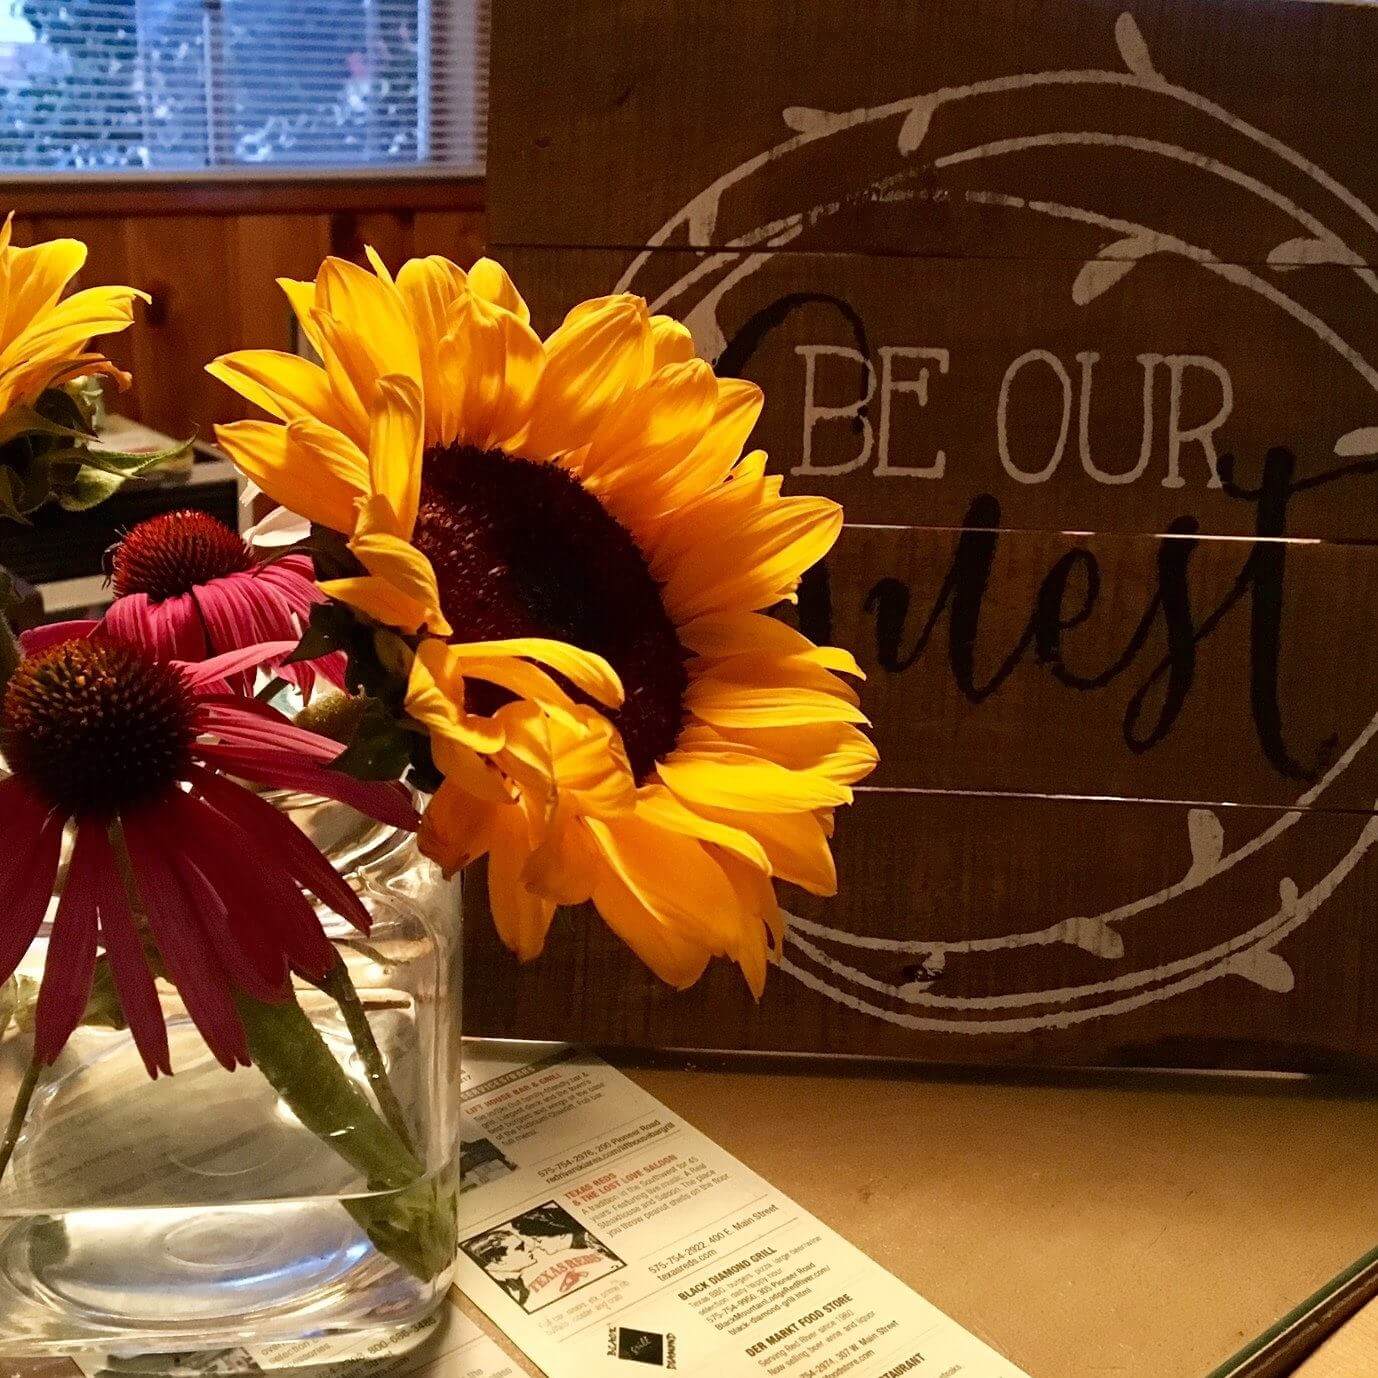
<point x="43" y="339"/>
<point x="567" y="533"/>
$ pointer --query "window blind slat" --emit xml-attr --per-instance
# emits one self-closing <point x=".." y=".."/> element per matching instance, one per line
<point x="149" y="85"/>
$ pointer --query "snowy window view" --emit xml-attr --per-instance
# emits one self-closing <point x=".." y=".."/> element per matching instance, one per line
<point x="175" y="85"/>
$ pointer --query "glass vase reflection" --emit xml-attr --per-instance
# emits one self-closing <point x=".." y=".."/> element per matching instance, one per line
<point x="309" y="1197"/>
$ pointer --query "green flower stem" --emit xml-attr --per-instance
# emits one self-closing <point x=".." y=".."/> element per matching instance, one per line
<point x="340" y="989"/>
<point x="414" y="1222"/>
<point x="17" y="1114"/>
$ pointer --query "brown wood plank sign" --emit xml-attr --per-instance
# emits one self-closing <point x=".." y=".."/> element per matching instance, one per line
<point x="1075" y="306"/>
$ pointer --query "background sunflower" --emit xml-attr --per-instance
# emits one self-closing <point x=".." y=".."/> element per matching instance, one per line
<point x="43" y="339"/>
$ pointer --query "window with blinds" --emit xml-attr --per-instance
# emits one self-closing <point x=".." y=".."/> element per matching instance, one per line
<point x="169" y="86"/>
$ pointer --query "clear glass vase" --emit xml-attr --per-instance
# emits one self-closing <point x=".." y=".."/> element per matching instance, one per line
<point x="307" y="1198"/>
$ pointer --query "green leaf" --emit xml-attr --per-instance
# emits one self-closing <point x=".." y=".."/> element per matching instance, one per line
<point x="330" y="553"/>
<point x="425" y="774"/>
<point x="11" y="492"/>
<point x="131" y="464"/>
<point x="89" y="489"/>
<point x="380" y="748"/>
<point x="331" y="628"/>
<point x="25" y="421"/>
<point x="58" y="405"/>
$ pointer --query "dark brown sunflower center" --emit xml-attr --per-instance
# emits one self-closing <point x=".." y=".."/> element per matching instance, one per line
<point x="172" y="553"/>
<point x="521" y="549"/>
<point x="93" y="726"/>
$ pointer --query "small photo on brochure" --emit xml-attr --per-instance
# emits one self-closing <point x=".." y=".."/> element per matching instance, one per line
<point x="482" y="1161"/>
<point x="541" y="1256"/>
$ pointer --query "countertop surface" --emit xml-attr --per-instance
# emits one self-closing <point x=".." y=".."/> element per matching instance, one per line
<point x="1135" y="1225"/>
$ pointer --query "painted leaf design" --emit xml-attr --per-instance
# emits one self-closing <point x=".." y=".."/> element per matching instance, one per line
<point x="1132" y="47"/>
<point x="1206" y="834"/>
<point x="1358" y="444"/>
<point x="1095" y="936"/>
<point x="1112" y="263"/>
<point x="1098" y="276"/>
<point x="1265" y="969"/>
<point x="1305" y="250"/>
<point x="702" y="321"/>
<point x="915" y="126"/>
<point x="804" y="119"/>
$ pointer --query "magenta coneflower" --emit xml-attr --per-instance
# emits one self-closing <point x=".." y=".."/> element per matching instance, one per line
<point x="174" y="867"/>
<point x="188" y="587"/>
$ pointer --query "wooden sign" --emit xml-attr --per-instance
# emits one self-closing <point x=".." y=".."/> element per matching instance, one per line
<point x="1075" y="307"/>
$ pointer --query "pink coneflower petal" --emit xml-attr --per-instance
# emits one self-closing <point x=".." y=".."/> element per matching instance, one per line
<point x="234" y="662"/>
<point x="225" y="606"/>
<point x="27" y="871"/>
<point x="258" y="743"/>
<point x="245" y="722"/>
<point x="216" y="841"/>
<point x="170" y="630"/>
<point x="385" y="801"/>
<point x="251" y="961"/>
<point x="133" y="980"/>
<point x="71" y="962"/>
<point x="39" y="639"/>
<point x="293" y="579"/>
<point x="279" y="836"/>
<point x="198" y="976"/>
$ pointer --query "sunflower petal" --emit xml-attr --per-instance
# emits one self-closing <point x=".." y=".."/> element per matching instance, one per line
<point x="837" y="750"/>
<point x="583" y="669"/>
<point x="430" y="287"/>
<point x="396" y="436"/>
<point x="564" y="867"/>
<point x="754" y="563"/>
<point x="523" y="365"/>
<point x="36" y="277"/>
<point x="671" y="342"/>
<point x="795" y="843"/>
<point x="374" y="314"/>
<point x="592" y="361"/>
<point x="676" y="958"/>
<point x="469" y="770"/>
<point x="403" y="566"/>
<point x="489" y="280"/>
<point x="721" y="636"/>
<point x="656" y="805"/>
<point x="725" y="704"/>
<point x="435" y="698"/>
<point x="735" y="412"/>
<point x="456" y="827"/>
<point x="284" y="385"/>
<point x="522" y="918"/>
<point x="301" y="297"/>
<point x="746" y="783"/>
<point x="675" y="876"/>
<point x="379" y="599"/>
<point x="320" y="491"/>
<point x="654" y="429"/>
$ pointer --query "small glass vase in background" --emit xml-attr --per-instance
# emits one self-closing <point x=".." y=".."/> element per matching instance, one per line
<point x="311" y="1196"/>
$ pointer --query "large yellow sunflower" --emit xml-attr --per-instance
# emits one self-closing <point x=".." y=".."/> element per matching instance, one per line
<point x="43" y="338"/>
<point x="567" y="532"/>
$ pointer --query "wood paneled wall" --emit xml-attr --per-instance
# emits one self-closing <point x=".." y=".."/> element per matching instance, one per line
<point x="209" y="256"/>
